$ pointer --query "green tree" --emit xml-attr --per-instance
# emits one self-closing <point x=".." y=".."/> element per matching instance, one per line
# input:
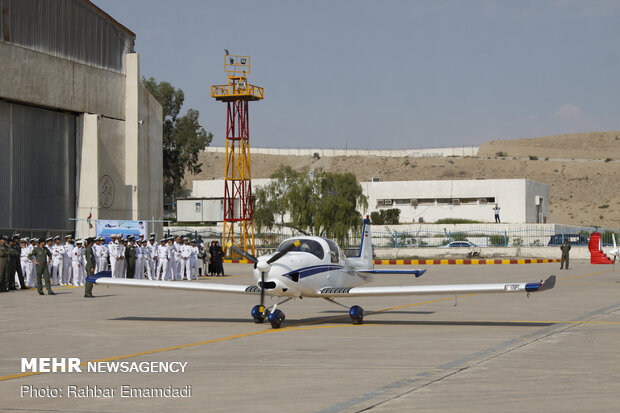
<point x="317" y="202"/>
<point x="386" y="217"/>
<point x="183" y="136"/>
<point x="271" y="202"/>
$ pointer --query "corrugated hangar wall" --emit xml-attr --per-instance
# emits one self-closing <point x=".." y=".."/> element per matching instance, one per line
<point x="37" y="168"/>
<point x="74" y="30"/>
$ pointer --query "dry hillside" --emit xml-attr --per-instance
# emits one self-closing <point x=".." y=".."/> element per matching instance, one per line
<point x="582" y="170"/>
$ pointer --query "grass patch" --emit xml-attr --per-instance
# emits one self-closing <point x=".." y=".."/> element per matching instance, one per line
<point x="457" y="221"/>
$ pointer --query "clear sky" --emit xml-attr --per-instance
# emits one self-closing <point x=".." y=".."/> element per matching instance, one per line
<point x="390" y="74"/>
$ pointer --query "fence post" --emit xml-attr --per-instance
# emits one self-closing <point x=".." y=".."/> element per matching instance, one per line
<point x="395" y="239"/>
<point x="505" y="239"/>
<point x="449" y="238"/>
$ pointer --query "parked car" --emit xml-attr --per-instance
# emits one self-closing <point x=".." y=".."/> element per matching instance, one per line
<point x="574" y="239"/>
<point x="461" y="244"/>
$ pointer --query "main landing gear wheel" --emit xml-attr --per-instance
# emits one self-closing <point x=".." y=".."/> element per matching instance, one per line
<point x="258" y="313"/>
<point x="276" y="318"/>
<point x="357" y="314"/>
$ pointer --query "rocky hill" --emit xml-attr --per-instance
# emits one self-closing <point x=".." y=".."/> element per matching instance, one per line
<point x="582" y="170"/>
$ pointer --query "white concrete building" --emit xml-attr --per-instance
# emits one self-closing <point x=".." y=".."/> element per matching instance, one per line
<point x="80" y="132"/>
<point x="520" y="200"/>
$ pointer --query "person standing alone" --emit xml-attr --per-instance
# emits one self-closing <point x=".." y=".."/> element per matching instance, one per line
<point x="496" y="212"/>
<point x="565" y="249"/>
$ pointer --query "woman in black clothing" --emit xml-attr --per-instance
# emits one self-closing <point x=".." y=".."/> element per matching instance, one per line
<point x="212" y="258"/>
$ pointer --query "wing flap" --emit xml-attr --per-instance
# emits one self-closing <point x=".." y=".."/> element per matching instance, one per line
<point x="439" y="289"/>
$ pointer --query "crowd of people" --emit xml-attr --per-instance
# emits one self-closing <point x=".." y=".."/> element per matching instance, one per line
<point x="25" y="263"/>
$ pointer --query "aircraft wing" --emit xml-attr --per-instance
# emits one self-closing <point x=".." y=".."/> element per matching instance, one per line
<point x="417" y="273"/>
<point x="548" y="284"/>
<point x="175" y="285"/>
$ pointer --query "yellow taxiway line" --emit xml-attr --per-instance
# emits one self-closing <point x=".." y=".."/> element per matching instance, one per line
<point x="308" y="326"/>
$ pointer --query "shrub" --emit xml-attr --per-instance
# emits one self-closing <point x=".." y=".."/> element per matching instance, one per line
<point x="517" y="242"/>
<point x="533" y="158"/>
<point x="606" y="237"/>
<point x="316" y="155"/>
<point x="608" y="159"/>
<point x="498" y="240"/>
<point x="501" y="154"/>
<point x="459" y="236"/>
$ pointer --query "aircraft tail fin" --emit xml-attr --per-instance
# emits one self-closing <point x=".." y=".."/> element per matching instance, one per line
<point x="365" y="254"/>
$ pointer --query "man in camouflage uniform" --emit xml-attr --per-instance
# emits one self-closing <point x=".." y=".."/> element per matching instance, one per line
<point x="565" y="249"/>
<point x="15" y="265"/>
<point x="130" y="256"/>
<point x="91" y="263"/>
<point x="4" y="259"/>
<point x="40" y="256"/>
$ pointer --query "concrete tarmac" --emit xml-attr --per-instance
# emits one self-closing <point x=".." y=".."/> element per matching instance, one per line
<point x="554" y="351"/>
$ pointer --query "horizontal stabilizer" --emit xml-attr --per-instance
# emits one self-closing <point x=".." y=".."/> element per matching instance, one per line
<point x="93" y="278"/>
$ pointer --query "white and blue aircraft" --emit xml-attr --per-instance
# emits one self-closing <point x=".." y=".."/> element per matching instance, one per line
<point x="316" y="267"/>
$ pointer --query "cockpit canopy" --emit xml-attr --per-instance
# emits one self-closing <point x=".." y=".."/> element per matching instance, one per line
<point x="316" y="248"/>
<point x="305" y="245"/>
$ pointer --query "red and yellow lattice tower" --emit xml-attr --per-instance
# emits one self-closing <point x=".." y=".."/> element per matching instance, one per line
<point x="238" y="179"/>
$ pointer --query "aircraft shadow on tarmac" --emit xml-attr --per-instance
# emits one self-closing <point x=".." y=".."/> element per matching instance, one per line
<point x="390" y="312"/>
<point x="345" y="320"/>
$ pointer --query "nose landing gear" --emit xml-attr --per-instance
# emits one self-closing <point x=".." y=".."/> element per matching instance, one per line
<point x="272" y="314"/>
<point x="258" y="313"/>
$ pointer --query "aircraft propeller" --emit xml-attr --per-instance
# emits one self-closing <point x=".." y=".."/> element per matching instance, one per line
<point x="264" y="266"/>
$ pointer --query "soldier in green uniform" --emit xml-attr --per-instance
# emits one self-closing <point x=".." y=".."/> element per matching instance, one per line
<point x="4" y="258"/>
<point x="90" y="267"/>
<point x="130" y="257"/>
<point x="40" y="258"/>
<point x="14" y="264"/>
<point x="565" y="248"/>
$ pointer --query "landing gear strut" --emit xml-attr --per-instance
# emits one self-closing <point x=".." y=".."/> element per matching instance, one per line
<point x="275" y="318"/>
<point x="356" y="312"/>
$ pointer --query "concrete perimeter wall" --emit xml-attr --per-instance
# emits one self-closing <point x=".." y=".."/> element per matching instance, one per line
<point x="486" y="252"/>
<point x="398" y="153"/>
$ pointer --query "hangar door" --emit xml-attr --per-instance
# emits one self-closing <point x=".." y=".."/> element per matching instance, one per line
<point x="37" y="169"/>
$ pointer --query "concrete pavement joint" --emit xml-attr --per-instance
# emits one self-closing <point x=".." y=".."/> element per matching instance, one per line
<point x="481" y="357"/>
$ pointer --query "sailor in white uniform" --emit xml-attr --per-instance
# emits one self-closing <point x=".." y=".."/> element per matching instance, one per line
<point x="67" y="261"/>
<point x="163" y="259"/>
<point x="77" y="258"/>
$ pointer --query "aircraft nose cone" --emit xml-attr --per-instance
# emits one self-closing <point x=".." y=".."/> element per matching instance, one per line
<point x="262" y="266"/>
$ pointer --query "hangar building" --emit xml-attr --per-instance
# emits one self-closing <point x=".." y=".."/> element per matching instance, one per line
<point x="79" y="132"/>
<point x="520" y="200"/>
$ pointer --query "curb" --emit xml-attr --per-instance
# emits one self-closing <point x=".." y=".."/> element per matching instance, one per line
<point x="464" y="262"/>
<point x="440" y="262"/>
